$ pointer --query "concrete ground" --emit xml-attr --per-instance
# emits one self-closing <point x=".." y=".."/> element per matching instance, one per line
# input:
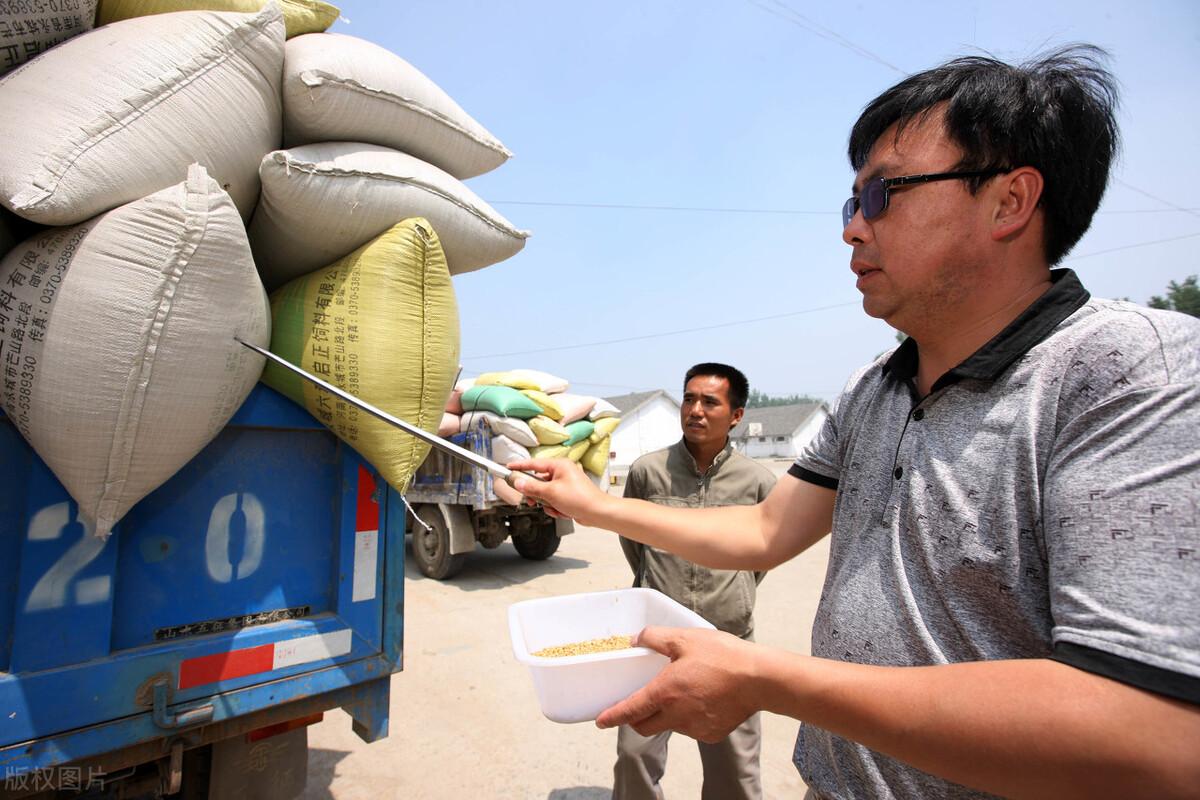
<point x="465" y="721"/>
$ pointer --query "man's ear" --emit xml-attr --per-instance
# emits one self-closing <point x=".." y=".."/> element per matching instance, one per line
<point x="736" y="418"/>
<point x="1018" y="194"/>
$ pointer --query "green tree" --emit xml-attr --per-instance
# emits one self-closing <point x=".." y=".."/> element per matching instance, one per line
<point x="759" y="399"/>
<point x="1183" y="297"/>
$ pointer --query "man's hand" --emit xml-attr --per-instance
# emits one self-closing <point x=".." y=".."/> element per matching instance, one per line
<point x="701" y="693"/>
<point x="564" y="490"/>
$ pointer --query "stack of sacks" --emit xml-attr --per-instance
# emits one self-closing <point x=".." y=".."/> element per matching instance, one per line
<point x="531" y="414"/>
<point x="371" y="140"/>
<point x="139" y="142"/>
<point x="121" y="319"/>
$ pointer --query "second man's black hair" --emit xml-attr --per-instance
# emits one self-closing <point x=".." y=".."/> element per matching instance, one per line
<point x="739" y="387"/>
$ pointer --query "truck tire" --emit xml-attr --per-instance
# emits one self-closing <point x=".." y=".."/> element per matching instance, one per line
<point x="540" y="543"/>
<point x="431" y="548"/>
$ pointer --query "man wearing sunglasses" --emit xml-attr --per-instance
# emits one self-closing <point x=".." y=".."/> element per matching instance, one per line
<point x="1014" y="492"/>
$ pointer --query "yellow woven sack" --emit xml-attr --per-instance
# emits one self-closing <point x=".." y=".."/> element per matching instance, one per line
<point x="548" y="431"/>
<point x="604" y="428"/>
<point x="508" y="379"/>
<point x="381" y="323"/>
<point x="550" y="451"/>
<point x="489" y="379"/>
<point x="577" y="450"/>
<point x="299" y="16"/>
<point x="596" y="457"/>
<point x="549" y="407"/>
<point x="524" y="379"/>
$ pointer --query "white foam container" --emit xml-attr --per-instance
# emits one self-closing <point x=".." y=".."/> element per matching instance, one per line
<point x="578" y="688"/>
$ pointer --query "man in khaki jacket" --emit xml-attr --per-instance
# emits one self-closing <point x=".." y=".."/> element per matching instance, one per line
<point x="701" y="469"/>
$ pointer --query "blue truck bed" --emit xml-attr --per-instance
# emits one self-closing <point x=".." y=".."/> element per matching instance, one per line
<point x="262" y="582"/>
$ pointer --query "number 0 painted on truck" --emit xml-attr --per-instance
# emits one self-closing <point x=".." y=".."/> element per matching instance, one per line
<point x="216" y="542"/>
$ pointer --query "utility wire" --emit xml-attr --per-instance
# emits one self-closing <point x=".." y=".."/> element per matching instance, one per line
<point x="1132" y="246"/>
<point x="789" y="14"/>
<point x="734" y="323"/>
<point x="1143" y="192"/>
<point x="785" y="211"/>
<point x="633" y="207"/>
<point x="660" y="334"/>
<point x="1192" y="211"/>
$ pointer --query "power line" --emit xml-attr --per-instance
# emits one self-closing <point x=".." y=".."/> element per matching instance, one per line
<point x="1153" y="211"/>
<point x="659" y="335"/>
<point x="613" y="386"/>
<point x="1143" y="192"/>
<point x="735" y="323"/>
<point x="1132" y="246"/>
<point x="634" y="207"/>
<point x="789" y="14"/>
<point x="784" y="211"/>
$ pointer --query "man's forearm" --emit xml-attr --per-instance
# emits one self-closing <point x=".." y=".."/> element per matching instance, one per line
<point x="794" y="516"/>
<point x="1031" y="728"/>
<point x="726" y="537"/>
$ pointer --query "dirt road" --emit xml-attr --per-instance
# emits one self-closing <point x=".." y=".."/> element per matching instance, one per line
<point x="465" y="723"/>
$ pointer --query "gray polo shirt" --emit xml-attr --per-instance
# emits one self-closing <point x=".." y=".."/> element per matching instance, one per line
<point x="1042" y="501"/>
<point x="670" y="477"/>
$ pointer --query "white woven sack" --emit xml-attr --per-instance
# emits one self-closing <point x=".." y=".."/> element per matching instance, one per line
<point x="505" y="450"/>
<point x="517" y="430"/>
<point x="603" y="410"/>
<point x="341" y="88"/>
<point x="28" y="29"/>
<point x="321" y="201"/>
<point x="128" y="361"/>
<point x="119" y="112"/>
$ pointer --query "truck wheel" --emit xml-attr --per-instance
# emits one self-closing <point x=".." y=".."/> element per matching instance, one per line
<point x="539" y="544"/>
<point x="431" y="548"/>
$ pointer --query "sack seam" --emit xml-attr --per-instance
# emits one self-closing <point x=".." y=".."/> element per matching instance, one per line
<point x="289" y="163"/>
<point x="56" y="165"/>
<point x="314" y="78"/>
<point x="196" y="209"/>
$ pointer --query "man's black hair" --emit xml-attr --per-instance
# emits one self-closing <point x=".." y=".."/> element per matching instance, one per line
<point x="1055" y="113"/>
<point x="739" y="387"/>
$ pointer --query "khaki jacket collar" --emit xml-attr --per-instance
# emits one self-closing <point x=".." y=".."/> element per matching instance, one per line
<point x="719" y="459"/>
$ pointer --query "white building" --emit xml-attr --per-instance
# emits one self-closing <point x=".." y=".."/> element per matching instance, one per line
<point x="778" y="431"/>
<point x="649" y="422"/>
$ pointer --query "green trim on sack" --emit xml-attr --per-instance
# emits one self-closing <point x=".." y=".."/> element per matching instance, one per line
<point x="289" y="332"/>
<point x="418" y="240"/>
<point x="578" y="431"/>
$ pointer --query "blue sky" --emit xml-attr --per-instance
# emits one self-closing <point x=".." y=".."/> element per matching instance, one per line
<point x="738" y="111"/>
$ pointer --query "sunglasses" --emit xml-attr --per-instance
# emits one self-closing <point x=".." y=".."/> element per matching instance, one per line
<point x="873" y="199"/>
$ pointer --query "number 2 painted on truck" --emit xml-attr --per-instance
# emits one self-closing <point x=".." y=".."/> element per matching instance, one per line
<point x="51" y="589"/>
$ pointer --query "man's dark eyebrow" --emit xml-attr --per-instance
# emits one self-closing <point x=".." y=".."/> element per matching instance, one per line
<point x="878" y="172"/>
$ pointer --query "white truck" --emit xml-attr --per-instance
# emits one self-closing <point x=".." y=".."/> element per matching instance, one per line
<point x="463" y="505"/>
